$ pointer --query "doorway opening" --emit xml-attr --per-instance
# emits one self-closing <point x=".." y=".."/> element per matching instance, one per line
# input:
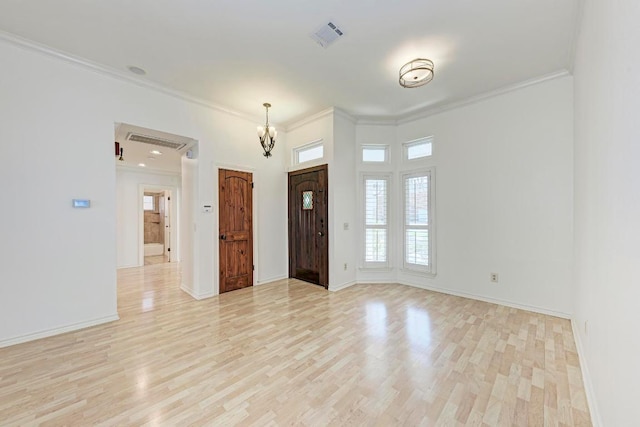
<point x="157" y="226"/>
<point x="152" y="195"/>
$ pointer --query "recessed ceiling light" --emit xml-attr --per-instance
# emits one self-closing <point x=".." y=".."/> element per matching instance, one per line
<point x="156" y="152"/>
<point x="136" y="70"/>
<point x="141" y="165"/>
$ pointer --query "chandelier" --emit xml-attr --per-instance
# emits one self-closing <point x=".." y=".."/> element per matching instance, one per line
<point x="267" y="134"/>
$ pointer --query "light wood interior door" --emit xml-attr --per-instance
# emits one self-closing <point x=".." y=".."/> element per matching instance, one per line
<point x="235" y="229"/>
<point x="308" y="225"/>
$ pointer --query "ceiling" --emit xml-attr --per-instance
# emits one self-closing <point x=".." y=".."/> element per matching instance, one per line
<point x="240" y="54"/>
<point x="157" y="158"/>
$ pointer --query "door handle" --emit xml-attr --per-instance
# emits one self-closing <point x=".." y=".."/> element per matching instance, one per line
<point x="320" y="233"/>
<point x="223" y="237"/>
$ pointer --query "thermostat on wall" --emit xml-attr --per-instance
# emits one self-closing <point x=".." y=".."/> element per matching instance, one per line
<point x="81" y="203"/>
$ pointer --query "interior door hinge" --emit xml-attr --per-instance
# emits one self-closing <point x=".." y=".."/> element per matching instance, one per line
<point x="253" y="268"/>
<point x="252" y="185"/>
<point x="168" y="249"/>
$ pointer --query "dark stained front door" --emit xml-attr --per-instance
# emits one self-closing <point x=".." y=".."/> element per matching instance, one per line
<point x="235" y="230"/>
<point x="308" y="225"/>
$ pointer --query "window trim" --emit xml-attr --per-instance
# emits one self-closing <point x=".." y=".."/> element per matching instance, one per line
<point x="384" y="147"/>
<point x="376" y="265"/>
<point x="415" y="142"/>
<point x="305" y="147"/>
<point x="429" y="270"/>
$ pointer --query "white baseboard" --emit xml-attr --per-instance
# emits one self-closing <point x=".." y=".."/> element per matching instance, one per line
<point x="57" y="331"/>
<point x="195" y="295"/>
<point x="586" y="378"/>
<point x="271" y="280"/>
<point x="335" y="288"/>
<point x="120" y="267"/>
<point x="511" y="304"/>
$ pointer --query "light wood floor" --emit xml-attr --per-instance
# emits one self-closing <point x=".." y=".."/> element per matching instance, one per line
<point x="155" y="259"/>
<point x="291" y="353"/>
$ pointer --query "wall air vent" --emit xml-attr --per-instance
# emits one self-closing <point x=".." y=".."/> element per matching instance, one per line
<point x="161" y="142"/>
<point x="327" y="34"/>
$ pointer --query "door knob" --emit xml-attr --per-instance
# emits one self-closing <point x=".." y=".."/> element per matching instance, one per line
<point x="320" y="233"/>
<point x="223" y="237"/>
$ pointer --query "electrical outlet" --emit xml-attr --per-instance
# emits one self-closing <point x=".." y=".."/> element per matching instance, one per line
<point x="345" y="266"/>
<point x="494" y="277"/>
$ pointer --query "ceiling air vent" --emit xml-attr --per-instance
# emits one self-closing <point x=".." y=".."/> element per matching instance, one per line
<point x="327" y="34"/>
<point x="161" y="142"/>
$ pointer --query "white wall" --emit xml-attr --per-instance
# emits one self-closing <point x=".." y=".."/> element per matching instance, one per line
<point x="188" y="228"/>
<point x="342" y="189"/>
<point x="58" y="120"/>
<point x="607" y="208"/>
<point x="128" y="210"/>
<point x="503" y="197"/>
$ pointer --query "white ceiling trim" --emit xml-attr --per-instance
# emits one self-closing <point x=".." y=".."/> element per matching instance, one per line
<point x="363" y="120"/>
<point x="479" y="98"/>
<point x="345" y="115"/>
<point x="373" y="121"/>
<point x="332" y="110"/>
<point x="146" y="170"/>
<point x="310" y="119"/>
<point x="120" y="75"/>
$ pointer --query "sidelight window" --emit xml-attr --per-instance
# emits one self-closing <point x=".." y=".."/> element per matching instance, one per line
<point x="376" y="220"/>
<point x="418" y="221"/>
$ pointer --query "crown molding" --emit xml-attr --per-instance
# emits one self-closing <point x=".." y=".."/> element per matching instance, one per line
<point x="344" y="115"/>
<point x="32" y="46"/>
<point x="431" y="111"/>
<point x="360" y="120"/>
<point x="147" y="170"/>
<point x="379" y="121"/>
<point x="309" y="119"/>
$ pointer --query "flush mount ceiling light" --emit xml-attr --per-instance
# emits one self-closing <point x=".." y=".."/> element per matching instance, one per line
<point x="156" y="152"/>
<point x="267" y="134"/>
<point x="416" y="73"/>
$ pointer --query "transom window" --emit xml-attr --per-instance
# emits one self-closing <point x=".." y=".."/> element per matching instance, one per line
<point x="308" y="152"/>
<point x="418" y="149"/>
<point x="375" y="154"/>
